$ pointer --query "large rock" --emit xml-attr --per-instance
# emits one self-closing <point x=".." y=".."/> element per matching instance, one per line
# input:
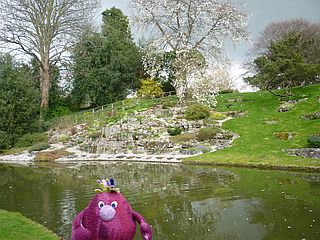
<point x="304" y="152"/>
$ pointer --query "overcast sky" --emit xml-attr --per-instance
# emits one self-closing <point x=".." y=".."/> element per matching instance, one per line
<point x="263" y="12"/>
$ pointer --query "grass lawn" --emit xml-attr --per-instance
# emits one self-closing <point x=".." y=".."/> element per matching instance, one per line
<point x="257" y="146"/>
<point x="14" y="226"/>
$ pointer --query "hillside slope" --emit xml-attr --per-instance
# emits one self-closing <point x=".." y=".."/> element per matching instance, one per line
<point x="258" y="143"/>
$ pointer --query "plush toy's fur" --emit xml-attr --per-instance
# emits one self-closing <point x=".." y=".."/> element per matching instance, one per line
<point x="109" y="217"/>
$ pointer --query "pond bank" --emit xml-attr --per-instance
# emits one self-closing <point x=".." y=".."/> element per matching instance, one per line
<point x="16" y="226"/>
<point x="292" y="168"/>
<point x="26" y="158"/>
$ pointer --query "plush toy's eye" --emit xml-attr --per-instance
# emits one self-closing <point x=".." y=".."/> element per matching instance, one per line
<point x="114" y="204"/>
<point x="101" y="204"/>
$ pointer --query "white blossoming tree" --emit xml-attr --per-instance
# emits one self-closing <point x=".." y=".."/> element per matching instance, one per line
<point x="192" y="31"/>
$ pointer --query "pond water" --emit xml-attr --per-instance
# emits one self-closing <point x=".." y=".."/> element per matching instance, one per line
<point x="179" y="201"/>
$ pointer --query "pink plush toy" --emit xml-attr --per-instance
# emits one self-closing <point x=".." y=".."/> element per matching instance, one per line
<point x="109" y="217"/>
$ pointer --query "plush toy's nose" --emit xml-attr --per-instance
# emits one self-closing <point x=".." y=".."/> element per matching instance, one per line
<point x="107" y="213"/>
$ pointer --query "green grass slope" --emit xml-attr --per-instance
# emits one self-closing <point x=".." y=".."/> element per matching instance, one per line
<point x="14" y="226"/>
<point x="257" y="146"/>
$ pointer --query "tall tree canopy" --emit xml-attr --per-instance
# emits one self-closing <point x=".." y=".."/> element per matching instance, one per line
<point x="44" y="30"/>
<point x="106" y="64"/>
<point x="190" y="30"/>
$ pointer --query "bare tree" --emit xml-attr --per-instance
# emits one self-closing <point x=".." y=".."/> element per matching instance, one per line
<point x="309" y="42"/>
<point x="44" y="30"/>
<point x="187" y="28"/>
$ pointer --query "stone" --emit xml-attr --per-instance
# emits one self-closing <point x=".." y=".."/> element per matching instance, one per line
<point x="311" y="116"/>
<point x="288" y="105"/>
<point x="271" y="122"/>
<point x="284" y="135"/>
<point x="304" y="152"/>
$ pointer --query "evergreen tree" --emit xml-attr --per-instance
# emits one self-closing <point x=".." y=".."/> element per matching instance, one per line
<point x="19" y="101"/>
<point x="106" y="64"/>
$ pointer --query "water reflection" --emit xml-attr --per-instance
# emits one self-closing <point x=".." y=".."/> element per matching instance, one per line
<point x="179" y="201"/>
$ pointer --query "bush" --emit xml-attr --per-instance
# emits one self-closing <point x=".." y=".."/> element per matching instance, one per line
<point x="5" y="140"/>
<point x="184" y="137"/>
<point x="218" y="116"/>
<point x="64" y="138"/>
<point x="59" y="111"/>
<point x="196" y="112"/>
<point x="205" y="134"/>
<point x="227" y="91"/>
<point x="173" y="131"/>
<point x="168" y="104"/>
<point x="30" y="139"/>
<point x="150" y="89"/>
<point x="209" y="122"/>
<point x="39" y="146"/>
<point x="314" y="140"/>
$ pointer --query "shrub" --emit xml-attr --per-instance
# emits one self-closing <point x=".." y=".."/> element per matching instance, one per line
<point x="52" y="155"/>
<point x="227" y="91"/>
<point x="150" y="88"/>
<point x="196" y="112"/>
<point x="173" y="131"/>
<point x="64" y="138"/>
<point x="314" y="140"/>
<point x="59" y="111"/>
<point x="39" y="146"/>
<point x="218" y="116"/>
<point x="30" y="139"/>
<point x="184" y="137"/>
<point x="209" y="122"/>
<point x="168" y="104"/>
<point x="205" y="134"/>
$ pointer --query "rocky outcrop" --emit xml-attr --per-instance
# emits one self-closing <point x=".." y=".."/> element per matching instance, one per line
<point x="145" y="132"/>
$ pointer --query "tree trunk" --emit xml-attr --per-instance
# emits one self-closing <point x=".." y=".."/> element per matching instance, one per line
<point x="44" y="83"/>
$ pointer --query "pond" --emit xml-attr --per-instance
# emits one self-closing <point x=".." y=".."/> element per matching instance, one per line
<point x="179" y="201"/>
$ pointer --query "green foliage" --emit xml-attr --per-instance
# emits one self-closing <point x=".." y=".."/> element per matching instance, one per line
<point x="218" y="116"/>
<point x="5" y="140"/>
<point x="314" y="140"/>
<point x="173" y="131"/>
<point x="284" y="67"/>
<point x="39" y="146"/>
<point x="19" y="100"/>
<point x="196" y="112"/>
<point x="64" y="138"/>
<point x="183" y="137"/>
<point x="168" y="104"/>
<point x="205" y="134"/>
<point x="106" y="65"/>
<point x="227" y="91"/>
<point x="150" y="89"/>
<point x="30" y="139"/>
<point x="59" y="111"/>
